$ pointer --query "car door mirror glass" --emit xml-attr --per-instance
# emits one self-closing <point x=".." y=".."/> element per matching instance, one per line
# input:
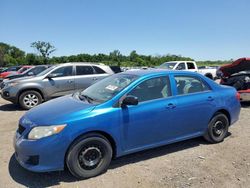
<point x="30" y="73"/>
<point x="54" y="75"/>
<point x="130" y="100"/>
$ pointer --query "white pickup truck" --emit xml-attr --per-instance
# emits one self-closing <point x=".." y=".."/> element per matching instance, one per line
<point x="209" y="72"/>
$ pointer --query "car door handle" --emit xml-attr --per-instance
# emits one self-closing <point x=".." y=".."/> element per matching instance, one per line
<point x="170" y="106"/>
<point x="70" y="81"/>
<point x="210" y="98"/>
<point x="94" y="78"/>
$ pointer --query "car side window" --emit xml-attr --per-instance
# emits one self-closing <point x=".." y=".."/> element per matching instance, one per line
<point x="190" y="65"/>
<point x="84" y="70"/>
<point x="38" y="70"/>
<point x="98" y="70"/>
<point x="190" y="84"/>
<point x="63" y="71"/>
<point x="153" y="88"/>
<point x="181" y="66"/>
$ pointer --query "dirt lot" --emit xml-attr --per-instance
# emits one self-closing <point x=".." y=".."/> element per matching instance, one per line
<point x="192" y="163"/>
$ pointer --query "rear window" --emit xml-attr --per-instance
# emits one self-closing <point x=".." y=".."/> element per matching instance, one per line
<point x="84" y="70"/>
<point x="190" y="84"/>
<point x="190" y="66"/>
<point x="98" y="70"/>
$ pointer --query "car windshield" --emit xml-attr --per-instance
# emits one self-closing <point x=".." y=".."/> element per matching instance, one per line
<point x="167" y="65"/>
<point x="46" y="71"/>
<point x="28" y="70"/>
<point x="107" y="88"/>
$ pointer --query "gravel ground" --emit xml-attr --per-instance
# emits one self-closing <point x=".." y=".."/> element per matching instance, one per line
<point x="192" y="163"/>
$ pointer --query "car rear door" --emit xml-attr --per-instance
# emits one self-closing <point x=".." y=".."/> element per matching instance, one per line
<point x="194" y="107"/>
<point x="99" y="73"/>
<point x="84" y="76"/>
<point x="62" y="84"/>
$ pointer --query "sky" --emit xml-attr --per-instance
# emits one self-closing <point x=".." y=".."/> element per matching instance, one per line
<point x="200" y="29"/>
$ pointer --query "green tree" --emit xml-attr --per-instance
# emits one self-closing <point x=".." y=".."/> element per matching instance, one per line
<point x="116" y="56"/>
<point x="10" y="55"/>
<point x="44" y="48"/>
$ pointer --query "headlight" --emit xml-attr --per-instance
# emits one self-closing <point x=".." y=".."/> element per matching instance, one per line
<point x="44" y="131"/>
<point x="11" y="84"/>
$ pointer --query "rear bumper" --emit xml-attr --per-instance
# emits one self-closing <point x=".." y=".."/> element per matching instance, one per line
<point x="244" y="95"/>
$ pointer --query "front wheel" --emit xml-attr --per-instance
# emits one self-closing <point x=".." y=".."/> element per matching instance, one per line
<point x="30" y="99"/>
<point x="217" y="128"/>
<point x="89" y="156"/>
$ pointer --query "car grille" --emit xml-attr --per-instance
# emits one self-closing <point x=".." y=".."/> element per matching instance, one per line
<point x="2" y="85"/>
<point x="20" y="129"/>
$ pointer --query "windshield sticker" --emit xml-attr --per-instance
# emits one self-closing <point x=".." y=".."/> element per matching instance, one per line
<point x="111" y="87"/>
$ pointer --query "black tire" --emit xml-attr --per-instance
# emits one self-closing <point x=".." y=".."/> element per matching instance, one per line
<point x="217" y="128"/>
<point x="34" y="96"/>
<point x="89" y="156"/>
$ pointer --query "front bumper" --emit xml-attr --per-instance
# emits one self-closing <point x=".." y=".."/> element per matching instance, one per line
<point x="9" y="94"/>
<point x="43" y="155"/>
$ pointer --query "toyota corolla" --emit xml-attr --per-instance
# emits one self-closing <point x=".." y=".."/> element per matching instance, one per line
<point x="122" y="114"/>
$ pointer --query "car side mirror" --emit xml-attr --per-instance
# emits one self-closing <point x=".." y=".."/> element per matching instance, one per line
<point x="178" y="68"/>
<point x="30" y="73"/>
<point x="130" y="100"/>
<point x="52" y="75"/>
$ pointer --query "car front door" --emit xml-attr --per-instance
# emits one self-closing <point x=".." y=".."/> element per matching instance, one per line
<point x="60" y="82"/>
<point x="147" y="123"/>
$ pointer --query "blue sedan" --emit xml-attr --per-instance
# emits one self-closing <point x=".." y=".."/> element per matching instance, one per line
<point x="124" y="113"/>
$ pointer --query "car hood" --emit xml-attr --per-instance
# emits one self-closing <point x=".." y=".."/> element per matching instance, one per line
<point x="58" y="111"/>
<point x="242" y="64"/>
<point x="21" y="78"/>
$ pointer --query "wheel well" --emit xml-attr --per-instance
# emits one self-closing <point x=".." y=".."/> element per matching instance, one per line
<point x="104" y="134"/>
<point x="31" y="89"/>
<point x="223" y="111"/>
<point x="209" y="75"/>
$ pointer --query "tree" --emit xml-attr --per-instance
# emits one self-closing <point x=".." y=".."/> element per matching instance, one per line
<point x="116" y="56"/>
<point x="10" y="55"/>
<point x="44" y="48"/>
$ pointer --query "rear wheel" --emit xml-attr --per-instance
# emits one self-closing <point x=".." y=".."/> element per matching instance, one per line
<point x="30" y="99"/>
<point x="217" y="128"/>
<point x="89" y="156"/>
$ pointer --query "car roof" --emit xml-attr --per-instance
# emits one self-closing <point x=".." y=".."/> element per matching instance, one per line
<point x="81" y="63"/>
<point x="184" y="61"/>
<point x="156" y="72"/>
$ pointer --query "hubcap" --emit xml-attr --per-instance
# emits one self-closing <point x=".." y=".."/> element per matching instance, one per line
<point x="90" y="157"/>
<point x="30" y="100"/>
<point x="218" y="128"/>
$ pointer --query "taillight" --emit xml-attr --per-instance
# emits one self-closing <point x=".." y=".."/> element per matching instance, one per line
<point x="238" y="96"/>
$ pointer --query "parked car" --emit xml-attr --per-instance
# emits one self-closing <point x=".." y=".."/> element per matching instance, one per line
<point x="2" y="69"/>
<point x="54" y="82"/>
<point x="123" y="114"/>
<point x="13" y="70"/>
<point x="209" y="72"/>
<point x="29" y="72"/>
<point x="237" y="75"/>
<point x="8" y="71"/>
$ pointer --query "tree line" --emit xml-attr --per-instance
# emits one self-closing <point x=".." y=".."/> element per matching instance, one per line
<point x="11" y="55"/>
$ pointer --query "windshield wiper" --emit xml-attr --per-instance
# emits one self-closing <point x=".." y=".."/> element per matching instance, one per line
<point x="86" y="97"/>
